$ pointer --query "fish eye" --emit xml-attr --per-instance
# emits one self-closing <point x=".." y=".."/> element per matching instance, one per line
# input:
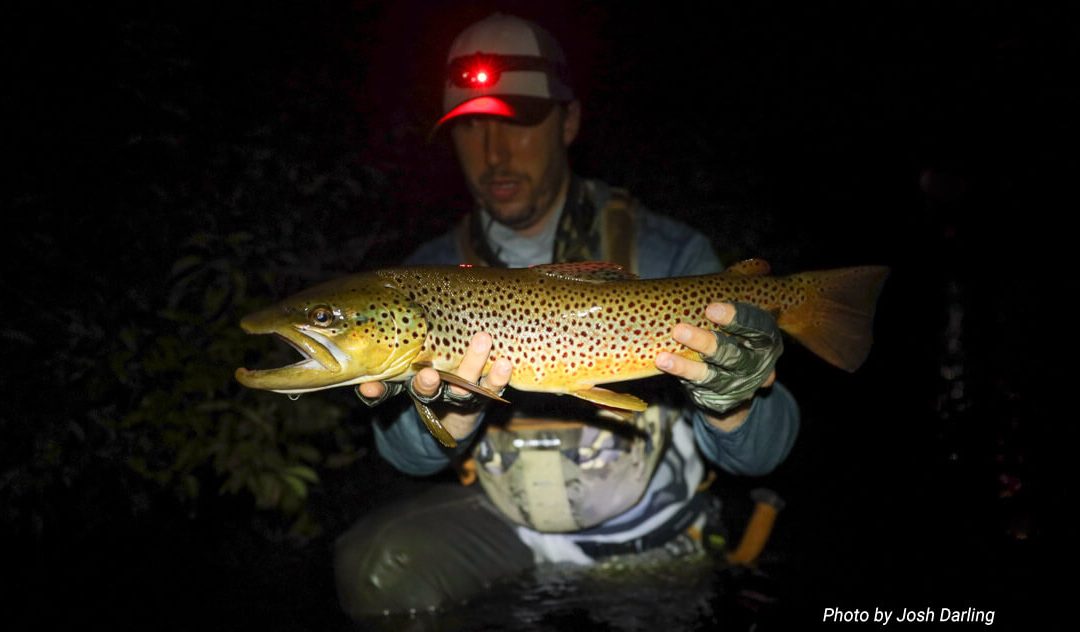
<point x="321" y="316"/>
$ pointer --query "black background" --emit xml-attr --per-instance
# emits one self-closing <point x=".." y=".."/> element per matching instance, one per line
<point x="930" y="137"/>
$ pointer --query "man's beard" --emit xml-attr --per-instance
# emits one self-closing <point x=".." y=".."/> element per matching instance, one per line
<point x="521" y="220"/>
<point x="516" y="219"/>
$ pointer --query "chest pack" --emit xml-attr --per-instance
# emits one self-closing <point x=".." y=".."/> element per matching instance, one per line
<point x="555" y="474"/>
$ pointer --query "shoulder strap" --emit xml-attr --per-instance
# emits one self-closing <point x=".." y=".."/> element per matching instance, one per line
<point x="618" y="238"/>
<point x="615" y="223"/>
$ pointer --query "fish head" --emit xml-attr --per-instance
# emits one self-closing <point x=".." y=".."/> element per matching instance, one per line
<point x="350" y="331"/>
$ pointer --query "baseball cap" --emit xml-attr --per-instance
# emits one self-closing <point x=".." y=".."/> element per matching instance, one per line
<point x="504" y="66"/>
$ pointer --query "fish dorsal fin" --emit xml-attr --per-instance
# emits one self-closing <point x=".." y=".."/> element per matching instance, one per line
<point x="750" y="267"/>
<point x="588" y="271"/>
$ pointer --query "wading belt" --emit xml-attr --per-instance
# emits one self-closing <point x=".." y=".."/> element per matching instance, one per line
<point x="679" y="523"/>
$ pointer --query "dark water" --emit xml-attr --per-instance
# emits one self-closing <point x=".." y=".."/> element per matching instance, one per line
<point x="646" y="592"/>
<point x="677" y="596"/>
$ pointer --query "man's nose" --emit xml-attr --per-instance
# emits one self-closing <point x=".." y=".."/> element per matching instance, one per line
<point x="496" y="149"/>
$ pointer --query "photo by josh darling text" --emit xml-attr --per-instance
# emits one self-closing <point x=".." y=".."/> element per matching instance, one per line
<point x="908" y="615"/>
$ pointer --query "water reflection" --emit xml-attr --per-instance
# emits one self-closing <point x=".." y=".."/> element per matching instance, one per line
<point x="640" y="593"/>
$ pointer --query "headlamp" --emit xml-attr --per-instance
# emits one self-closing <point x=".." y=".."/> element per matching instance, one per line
<point x="477" y="75"/>
<point x="482" y="71"/>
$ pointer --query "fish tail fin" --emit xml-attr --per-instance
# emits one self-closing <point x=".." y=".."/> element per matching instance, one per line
<point x="835" y="320"/>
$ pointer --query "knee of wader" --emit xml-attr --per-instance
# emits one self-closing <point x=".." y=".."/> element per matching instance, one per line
<point x="384" y="570"/>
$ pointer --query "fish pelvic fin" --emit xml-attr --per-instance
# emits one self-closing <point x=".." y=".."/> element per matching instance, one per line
<point x="434" y="426"/>
<point x="835" y="320"/>
<point x="610" y="399"/>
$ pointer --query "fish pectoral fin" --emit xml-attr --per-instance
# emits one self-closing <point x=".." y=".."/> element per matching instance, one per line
<point x="434" y="426"/>
<point x="610" y="399"/>
<point x="450" y="378"/>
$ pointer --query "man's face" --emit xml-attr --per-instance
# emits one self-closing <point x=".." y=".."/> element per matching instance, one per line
<point x="517" y="171"/>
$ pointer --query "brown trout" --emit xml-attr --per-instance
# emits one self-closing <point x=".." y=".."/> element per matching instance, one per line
<point x="565" y="327"/>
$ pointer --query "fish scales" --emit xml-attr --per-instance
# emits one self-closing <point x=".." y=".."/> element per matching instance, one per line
<point x="564" y="335"/>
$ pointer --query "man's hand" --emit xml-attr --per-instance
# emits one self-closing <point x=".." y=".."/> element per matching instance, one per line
<point x="462" y="412"/>
<point x="736" y="361"/>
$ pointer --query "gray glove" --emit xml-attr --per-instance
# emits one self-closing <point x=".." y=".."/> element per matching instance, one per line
<point x="746" y="352"/>
<point x="442" y="394"/>
<point x="392" y="390"/>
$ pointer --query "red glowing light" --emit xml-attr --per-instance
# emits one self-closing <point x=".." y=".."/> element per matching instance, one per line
<point x="480" y="105"/>
<point x="475" y="71"/>
<point x="479" y="77"/>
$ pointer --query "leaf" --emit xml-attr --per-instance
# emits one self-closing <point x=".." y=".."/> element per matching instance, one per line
<point x="305" y="452"/>
<point x="239" y="283"/>
<point x="296" y="485"/>
<point x="77" y="430"/>
<point x="267" y="488"/>
<point x="200" y="240"/>
<point x="305" y="527"/>
<point x="303" y="472"/>
<point x="237" y="239"/>
<point x="215" y="299"/>
<point x="128" y="336"/>
<point x="342" y="459"/>
<point x="233" y="484"/>
<point x="184" y="264"/>
<point x="191" y="486"/>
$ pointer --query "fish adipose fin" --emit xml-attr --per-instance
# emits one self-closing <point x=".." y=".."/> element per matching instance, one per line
<point x="611" y="399"/>
<point x="836" y="319"/>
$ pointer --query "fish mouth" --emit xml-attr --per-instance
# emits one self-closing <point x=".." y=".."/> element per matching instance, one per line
<point x="320" y="365"/>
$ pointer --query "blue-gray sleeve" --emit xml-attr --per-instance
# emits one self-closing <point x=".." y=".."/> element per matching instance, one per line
<point x="668" y="248"/>
<point x="406" y="443"/>
<point x="761" y="443"/>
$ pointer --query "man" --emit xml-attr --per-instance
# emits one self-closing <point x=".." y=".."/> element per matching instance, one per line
<point x="559" y="484"/>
